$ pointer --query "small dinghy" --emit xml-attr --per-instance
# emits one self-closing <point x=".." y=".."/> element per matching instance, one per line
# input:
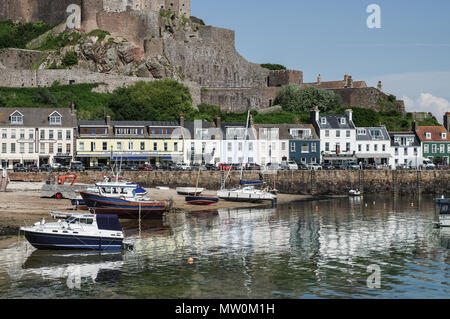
<point x="80" y="231"/>
<point x="201" y="200"/>
<point x="354" y="192"/>
<point x="190" y="191"/>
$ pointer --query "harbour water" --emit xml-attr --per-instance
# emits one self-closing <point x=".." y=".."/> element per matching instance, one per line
<point x="323" y="249"/>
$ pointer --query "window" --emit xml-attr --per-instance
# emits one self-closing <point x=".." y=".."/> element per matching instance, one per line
<point x="22" y="134"/>
<point x="375" y="147"/>
<point x="104" y="146"/>
<point x="130" y="146"/>
<point x="415" y="151"/>
<point x="3" y="147"/>
<point x="283" y="146"/>
<point x="142" y="146"/>
<point x="166" y="147"/>
<point x="42" y="147"/>
<point x="384" y="148"/>
<point x="119" y="146"/>
<point x="444" y="136"/>
<point x="428" y="135"/>
<point x="13" y="133"/>
<point x="396" y="151"/>
<point x="327" y="147"/>
<point x="60" y="148"/>
<point x="405" y="151"/>
<point x="434" y="148"/>
<point x="348" y="133"/>
<point x="50" y="135"/>
<point x="305" y="148"/>
<point x="68" y="148"/>
<point x="93" y="146"/>
<point x="17" y="119"/>
<point x="30" y="134"/>
<point x="55" y="120"/>
<point x="13" y="147"/>
<point x="361" y="131"/>
<point x="313" y="147"/>
<point x="22" y="148"/>
<point x="50" y="148"/>
<point x="338" y="147"/>
<point x="229" y="147"/>
<point x="80" y="146"/>
<point x="293" y="147"/>
<point x="155" y="146"/>
<point x="68" y="135"/>
<point x="323" y="120"/>
<point x="338" y="133"/>
<point x="240" y="146"/>
<point x="448" y="148"/>
<point x="175" y="147"/>
<point x="327" y="133"/>
<point x="442" y="148"/>
<point x="30" y="148"/>
<point x="59" y="135"/>
<point x="250" y="146"/>
<point x="359" y="148"/>
<point x="343" y="120"/>
<point x="4" y="133"/>
<point x="42" y="135"/>
<point x="367" y="147"/>
<point x="426" y="148"/>
<point x="347" y="147"/>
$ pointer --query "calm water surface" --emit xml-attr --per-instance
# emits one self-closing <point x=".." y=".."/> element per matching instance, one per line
<point x="300" y="250"/>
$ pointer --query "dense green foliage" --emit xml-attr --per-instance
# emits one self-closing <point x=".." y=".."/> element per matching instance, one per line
<point x="101" y="34"/>
<point x="90" y="105"/>
<point x="17" y="35"/>
<point x="153" y="101"/>
<point x="273" y="67"/>
<point x="294" y="99"/>
<point x="70" y="59"/>
<point x="59" y="41"/>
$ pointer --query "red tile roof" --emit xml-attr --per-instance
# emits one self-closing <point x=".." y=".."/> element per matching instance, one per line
<point x="435" y="133"/>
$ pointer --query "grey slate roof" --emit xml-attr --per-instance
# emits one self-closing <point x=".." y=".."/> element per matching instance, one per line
<point x="284" y="130"/>
<point x="370" y="134"/>
<point x="392" y="136"/>
<point x="128" y="123"/>
<point x="333" y="122"/>
<point x="37" y="117"/>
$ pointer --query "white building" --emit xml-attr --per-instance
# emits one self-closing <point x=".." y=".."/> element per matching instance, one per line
<point x="406" y="149"/>
<point x="202" y="143"/>
<point x="337" y="135"/>
<point x="36" y="136"/>
<point x="239" y="145"/>
<point x="373" y="145"/>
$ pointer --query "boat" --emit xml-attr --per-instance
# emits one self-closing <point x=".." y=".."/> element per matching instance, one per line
<point x="444" y="215"/>
<point x="354" y="192"/>
<point x="189" y="191"/>
<point x="85" y="232"/>
<point x="126" y="208"/>
<point x="247" y="193"/>
<point x="442" y="200"/>
<point x="201" y="200"/>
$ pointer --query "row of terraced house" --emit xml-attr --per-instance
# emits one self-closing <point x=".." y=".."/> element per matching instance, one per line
<point x="37" y="136"/>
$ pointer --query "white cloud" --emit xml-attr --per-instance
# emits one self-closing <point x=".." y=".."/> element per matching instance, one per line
<point x="427" y="102"/>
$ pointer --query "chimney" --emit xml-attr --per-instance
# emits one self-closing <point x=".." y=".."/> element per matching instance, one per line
<point x="414" y="126"/>
<point x="72" y="107"/>
<point x="345" y="80"/>
<point x="218" y="121"/>
<point x="319" y="79"/>
<point x="380" y="86"/>
<point x="181" y="119"/>
<point x="349" y="114"/>
<point x="314" y="115"/>
<point x="447" y="121"/>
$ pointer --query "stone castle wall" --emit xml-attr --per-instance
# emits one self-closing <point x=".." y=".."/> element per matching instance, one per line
<point x="290" y="182"/>
<point x="21" y="59"/>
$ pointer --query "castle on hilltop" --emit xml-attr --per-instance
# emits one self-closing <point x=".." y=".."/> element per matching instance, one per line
<point x="191" y="51"/>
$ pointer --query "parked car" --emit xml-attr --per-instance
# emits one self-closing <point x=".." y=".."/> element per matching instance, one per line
<point x="328" y="166"/>
<point x="77" y="166"/>
<point x="225" y="167"/>
<point x="252" y="167"/>
<point x="19" y="168"/>
<point x="146" y="167"/>
<point x="236" y="167"/>
<point x="46" y="168"/>
<point x="132" y="168"/>
<point x="195" y="167"/>
<point x="33" y="168"/>
<point x="350" y="165"/>
<point x="302" y="166"/>
<point x="314" y="167"/>
<point x="211" y="167"/>
<point x="428" y="164"/>
<point x="273" y="167"/>
<point x="289" y="165"/>
<point x="183" y="167"/>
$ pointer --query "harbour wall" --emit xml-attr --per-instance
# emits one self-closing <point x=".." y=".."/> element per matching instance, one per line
<point x="337" y="182"/>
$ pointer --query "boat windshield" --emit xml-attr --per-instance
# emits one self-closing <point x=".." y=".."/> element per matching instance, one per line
<point x="79" y="220"/>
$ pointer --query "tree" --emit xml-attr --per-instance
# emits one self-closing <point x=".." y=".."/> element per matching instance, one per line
<point x="297" y="100"/>
<point x="151" y="101"/>
<point x="273" y="67"/>
<point x="70" y="59"/>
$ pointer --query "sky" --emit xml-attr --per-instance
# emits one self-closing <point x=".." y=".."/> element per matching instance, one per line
<point x="409" y="53"/>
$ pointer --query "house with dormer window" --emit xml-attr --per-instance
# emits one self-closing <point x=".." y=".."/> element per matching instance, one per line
<point x="435" y="142"/>
<point x="337" y="135"/>
<point x="373" y="146"/>
<point x="36" y="136"/>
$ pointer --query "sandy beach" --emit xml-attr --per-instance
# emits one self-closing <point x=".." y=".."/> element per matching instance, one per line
<point x="22" y="204"/>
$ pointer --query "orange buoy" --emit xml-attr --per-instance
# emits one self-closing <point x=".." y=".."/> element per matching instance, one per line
<point x="190" y="260"/>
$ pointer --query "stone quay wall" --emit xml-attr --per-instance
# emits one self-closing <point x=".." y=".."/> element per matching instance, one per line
<point x="290" y="182"/>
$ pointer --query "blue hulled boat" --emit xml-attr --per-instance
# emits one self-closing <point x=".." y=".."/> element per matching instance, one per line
<point x="80" y="231"/>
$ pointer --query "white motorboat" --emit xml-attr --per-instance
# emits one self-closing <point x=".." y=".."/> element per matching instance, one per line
<point x="192" y="191"/>
<point x="247" y="194"/>
<point x="87" y="231"/>
<point x="354" y="192"/>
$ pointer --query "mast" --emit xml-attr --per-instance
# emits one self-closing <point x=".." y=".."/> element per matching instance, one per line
<point x="245" y="139"/>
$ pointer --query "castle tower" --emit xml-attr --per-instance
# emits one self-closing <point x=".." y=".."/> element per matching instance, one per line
<point x="380" y="86"/>
<point x="89" y="10"/>
<point x="319" y="79"/>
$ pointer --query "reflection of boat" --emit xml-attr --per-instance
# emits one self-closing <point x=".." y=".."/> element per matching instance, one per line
<point x="444" y="215"/>
<point x="191" y="191"/>
<point x="442" y="200"/>
<point x="201" y="200"/>
<point x="100" y="232"/>
<point x="247" y="193"/>
<point x="127" y="208"/>
<point x="354" y="192"/>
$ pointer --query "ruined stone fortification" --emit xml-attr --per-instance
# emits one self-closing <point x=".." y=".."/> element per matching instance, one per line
<point x="165" y="43"/>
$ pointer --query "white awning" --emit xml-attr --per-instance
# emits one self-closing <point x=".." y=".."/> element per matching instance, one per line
<point x="374" y="155"/>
